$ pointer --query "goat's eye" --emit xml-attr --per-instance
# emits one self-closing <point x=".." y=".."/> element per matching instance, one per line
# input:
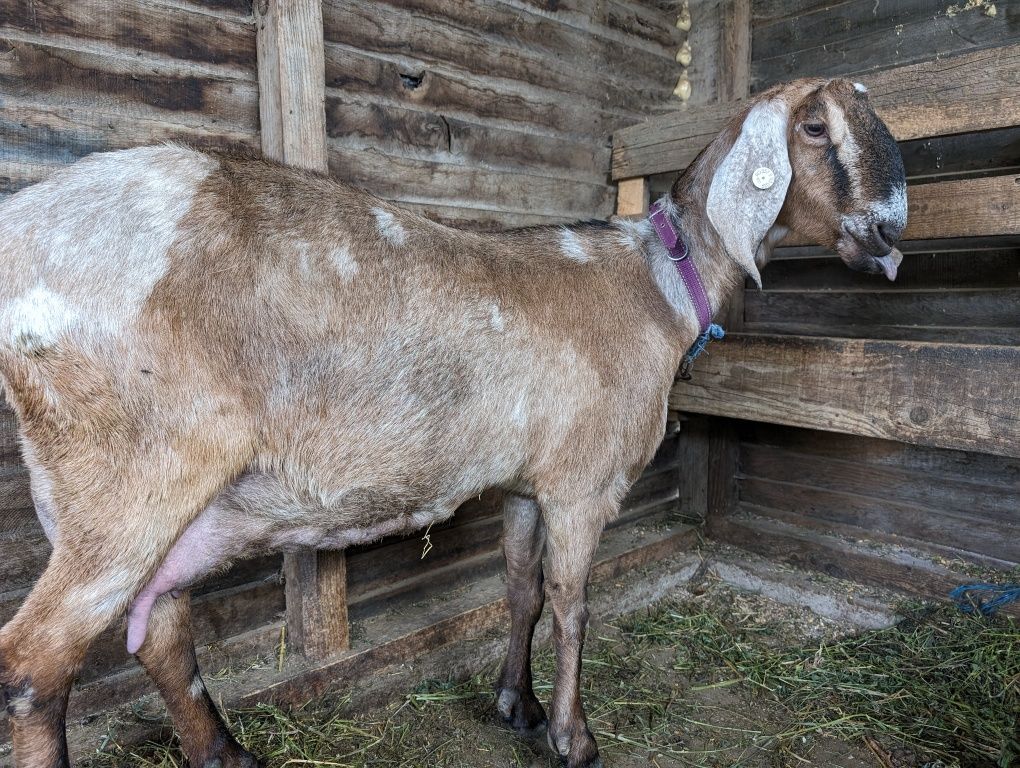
<point x="814" y="130"/>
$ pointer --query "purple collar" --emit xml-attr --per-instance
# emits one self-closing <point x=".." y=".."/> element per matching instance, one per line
<point x="685" y="266"/>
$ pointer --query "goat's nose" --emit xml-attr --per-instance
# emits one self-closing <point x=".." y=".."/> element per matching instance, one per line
<point x="890" y="232"/>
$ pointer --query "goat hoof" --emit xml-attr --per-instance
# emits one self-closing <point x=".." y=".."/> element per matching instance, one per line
<point x="522" y="712"/>
<point x="575" y="746"/>
<point x="232" y="756"/>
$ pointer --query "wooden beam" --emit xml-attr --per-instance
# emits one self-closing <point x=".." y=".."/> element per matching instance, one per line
<point x="971" y="92"/>
<point x="292" y="86"/>
<point x="735" y="50"/>
<point x="292" y="82"/>
<point x="632" y="197"/>
<point x="963" y="208"/>
<point x="958" y="396"/>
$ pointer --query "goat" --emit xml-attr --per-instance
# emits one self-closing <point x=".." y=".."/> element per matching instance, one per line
<point x="213" y="356"/>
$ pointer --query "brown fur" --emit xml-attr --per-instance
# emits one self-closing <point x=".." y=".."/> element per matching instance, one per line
<point x="300" y="364"/>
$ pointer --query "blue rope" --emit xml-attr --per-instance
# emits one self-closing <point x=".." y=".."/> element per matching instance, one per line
<point x="712" y="332"/>
<point x="986" y="599"/>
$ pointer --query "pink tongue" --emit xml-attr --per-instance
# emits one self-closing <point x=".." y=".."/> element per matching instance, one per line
<point x="888" y="264"/>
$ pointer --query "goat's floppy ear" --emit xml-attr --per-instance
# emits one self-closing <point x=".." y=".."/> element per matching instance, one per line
<point x="749" y="186"/>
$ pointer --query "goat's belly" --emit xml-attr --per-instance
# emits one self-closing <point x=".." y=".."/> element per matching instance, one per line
<point x="259" y="514"/>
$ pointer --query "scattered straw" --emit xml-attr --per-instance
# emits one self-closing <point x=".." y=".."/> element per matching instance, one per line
<point x="724" y="679"/>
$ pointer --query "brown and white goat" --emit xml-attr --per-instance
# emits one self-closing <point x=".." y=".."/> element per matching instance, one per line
<point x="212" y="356"/>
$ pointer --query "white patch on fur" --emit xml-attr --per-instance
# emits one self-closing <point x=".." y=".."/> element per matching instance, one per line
<point x="519" y="415"/>
<point x="860" y="88"/>
<point x="505" y="702"/>
<point x="847" y="149"/>
<point x="197" y="689"/>
<point x="21" y="705"/>
<point x="496" y="320"/>
<point x="102" y="601"/>
<point x="572" y="247"/>
<point x="893" y="209"/>
<point x="36" y="321"/>
<point x="303" y="250"/>
<point x="389" y="228"/>
<point x="98" y="232"/>
<point x="346" y="265"/>
<point x="632" y="233"/>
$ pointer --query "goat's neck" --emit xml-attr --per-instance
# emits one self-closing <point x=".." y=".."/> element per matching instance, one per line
<point x="720" y="274"/>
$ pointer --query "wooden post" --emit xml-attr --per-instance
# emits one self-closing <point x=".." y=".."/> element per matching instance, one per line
<point x="632" y="197"/>
<point x="292" y="84"/>
<point x="735" y="83"/>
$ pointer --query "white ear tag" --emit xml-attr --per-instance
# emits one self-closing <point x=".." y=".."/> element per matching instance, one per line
<point x="763" y="178"/>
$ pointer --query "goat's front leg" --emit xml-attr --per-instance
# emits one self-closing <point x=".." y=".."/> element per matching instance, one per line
<point x="168" y="655"/>
<point x="523" y="543"/>
<point x="573" y="536"/>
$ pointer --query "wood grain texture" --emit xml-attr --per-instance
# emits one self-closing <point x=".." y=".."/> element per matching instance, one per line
<point x="962" y="208"/>
<point x="292" y="82"/>
<point x="292" y="116"/>
<point x="970" y="92"/>
<point x="854" y="37"/>
<point x="945" y="395"/>
<point x="151" y="26"/>
<point x="632" y="197"/>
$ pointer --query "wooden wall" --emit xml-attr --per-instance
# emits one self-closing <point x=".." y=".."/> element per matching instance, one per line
<point x="495" y="112"/>
<point x="490" y="113"/>
<point x="794" y="486"/>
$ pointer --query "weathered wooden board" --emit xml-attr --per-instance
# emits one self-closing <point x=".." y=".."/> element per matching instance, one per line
<point x="970" y="92"/>
<point x="878" y="487"/>
<point x="967" y="269"/>
<point x="423" y="181"/>
<point x="945" y="395"/>
<point x="830" y="39"/>
<point x="149" y="26"/>
<point x="929" y="308"/>
<point x="490" y="39"/>
<point x="410" y="131"/>
<point x="961" y="208"/>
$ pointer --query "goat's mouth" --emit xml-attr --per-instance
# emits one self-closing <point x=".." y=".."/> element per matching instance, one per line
<point x="861" y="253"/>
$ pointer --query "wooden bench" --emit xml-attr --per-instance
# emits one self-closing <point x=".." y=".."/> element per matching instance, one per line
<point x="947" y="395"/>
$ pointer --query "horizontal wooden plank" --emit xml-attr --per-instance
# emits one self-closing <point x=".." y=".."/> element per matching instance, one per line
<point x="646" y="24"/>
<point x="404" y="80"/>
<point x="431" y="135"/>
<point x="115" y="85"/>
<point x="1008" y="336"/>
<point x="841" y="554"/>
<point x="140" y="25"/>
<point x="932" y="308"/>
<point x="965" y="208"/>
<point x="488" y="38"/>
<point x="395" y="178"/>
<point x="961" y="208"/>
<point x="955" y="270"/>
<point x="866" y="513"/>
<point x="970" y="92"/>
<point x="887" y="567"/>
<point x="859" y="36"/>
<point x="851" y="473"/>
<point x="961" y="468"/>
<point x="946" y="395"/>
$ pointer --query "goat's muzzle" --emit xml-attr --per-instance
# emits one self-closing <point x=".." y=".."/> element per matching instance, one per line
<point x="863" y="246"/>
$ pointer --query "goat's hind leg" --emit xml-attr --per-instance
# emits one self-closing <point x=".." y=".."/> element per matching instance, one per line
<point x="42" y="647"/>
<point x="168" y="655"/>
<point x="523" y="544"/>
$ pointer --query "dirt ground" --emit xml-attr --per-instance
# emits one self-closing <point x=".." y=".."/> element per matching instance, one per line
<point x="693" y="681"/>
